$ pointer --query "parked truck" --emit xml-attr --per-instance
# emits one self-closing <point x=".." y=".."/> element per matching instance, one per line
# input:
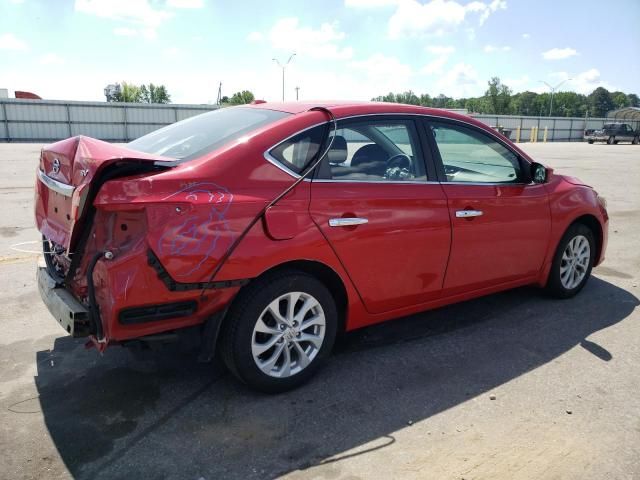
<point x="612" y="133"/>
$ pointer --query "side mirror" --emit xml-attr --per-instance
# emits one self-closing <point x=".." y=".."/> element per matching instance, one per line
<point x="538" y="173"/>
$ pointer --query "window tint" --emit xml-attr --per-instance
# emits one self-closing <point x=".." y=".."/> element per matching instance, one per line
<point x="299" y="151"/>
<point x="374" y="150"/>
<point x="204" y="133"/>
<point x="471" y="156"/>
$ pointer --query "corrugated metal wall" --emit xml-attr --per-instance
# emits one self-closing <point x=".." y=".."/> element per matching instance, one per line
<point x="48" y="120"/>
<point x="559" y="129"/>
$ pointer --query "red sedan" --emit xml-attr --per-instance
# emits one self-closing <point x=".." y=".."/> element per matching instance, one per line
<point x="269" y="229"/>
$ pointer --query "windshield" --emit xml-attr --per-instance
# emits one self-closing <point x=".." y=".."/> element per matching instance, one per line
<point x="204" y="133"/>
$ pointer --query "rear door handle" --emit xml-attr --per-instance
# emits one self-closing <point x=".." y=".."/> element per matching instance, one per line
<point x="468" y="213"/>
<point x="347" y="222"/>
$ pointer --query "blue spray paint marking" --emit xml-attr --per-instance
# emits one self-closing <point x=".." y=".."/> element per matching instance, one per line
<point x="195" y="237"/>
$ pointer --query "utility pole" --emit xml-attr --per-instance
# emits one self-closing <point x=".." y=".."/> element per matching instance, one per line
<point x="297" y="92"/>
<point x="553" y="90"/>
<point x="219" y="100"/>
<point x="283" y="67"/>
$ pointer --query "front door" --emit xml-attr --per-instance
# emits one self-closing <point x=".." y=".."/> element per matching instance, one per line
<point x="500" y="221"/>
<point x="387" y="224"/>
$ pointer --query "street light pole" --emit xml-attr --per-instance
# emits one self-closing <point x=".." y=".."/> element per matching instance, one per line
<point x="283" y="67"/>
<point x="553" y="90"/>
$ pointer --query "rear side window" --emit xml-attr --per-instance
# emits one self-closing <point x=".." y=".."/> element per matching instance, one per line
<point x="298" y="152"/>
<point x="204" y="133"/>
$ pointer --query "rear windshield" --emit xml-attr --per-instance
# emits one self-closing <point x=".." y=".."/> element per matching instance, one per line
<point x="204" y="133"/>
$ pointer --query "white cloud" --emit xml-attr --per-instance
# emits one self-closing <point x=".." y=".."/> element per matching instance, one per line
<point x="185" y="3"/>
<point x="125" y="32"/>
<point x="255" y="37"/>
<point x="559" y="53"/>
<point x="526" y="36"/>
<point x="440" y="49"/>
<point x="486" y="10"/>
<point x="381" y="67"/>
<point x="491" y="49"/>
<point x="51" y="59"/>
<point x="461" y="81"/>
<point x="584" y="82"/>
<point x="322" y="43"/>
<point x="518" y="83"/>
<point x="442" y="52"/>
<point x="172" y="51"/>
<point x="435" y="66"/>
<point x="413" y="18"/>
<point x="138" y="12"/>
<point x="8" y="41"/>
<point x="370" y="3"/>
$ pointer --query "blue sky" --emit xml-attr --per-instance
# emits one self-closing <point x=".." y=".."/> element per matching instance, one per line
<point x="345" y="49"/>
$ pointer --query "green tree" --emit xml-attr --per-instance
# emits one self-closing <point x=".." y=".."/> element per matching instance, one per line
<point x="620" y="100"/>
<point x="241" y="98"/>
<point x="634" y="101"/>
<point x="600" y="102"/>
<point x="129" y="93"/>
<point x="525" y="103"/>
<point x="499" y="96"/>
<point x="154" y="94"/>
<point x="426" y="100"/>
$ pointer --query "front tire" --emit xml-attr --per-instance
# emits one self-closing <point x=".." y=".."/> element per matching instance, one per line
<point x="572" y="262"/>
<point x="590" y="142"/>
<point x="279" y="331"/>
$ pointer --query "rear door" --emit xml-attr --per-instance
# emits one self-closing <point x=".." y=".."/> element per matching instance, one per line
<point x="387" y="223"/>
<point x="500" y="221"/>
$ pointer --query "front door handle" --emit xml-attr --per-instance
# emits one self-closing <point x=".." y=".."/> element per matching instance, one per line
<point x="468" y="213"/>
<point x="347" y="222"/>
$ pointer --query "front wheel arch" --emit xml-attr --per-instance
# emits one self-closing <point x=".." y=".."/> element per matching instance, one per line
<point x="592" y="223"/>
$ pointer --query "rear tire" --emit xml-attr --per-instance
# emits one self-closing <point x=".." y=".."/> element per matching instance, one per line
<point x="636" y="141"/>
<point x="572" y="263"/>
<point x="264" y="341"/>
<point x="611" y="140"/>
<point x="590" y="142"/>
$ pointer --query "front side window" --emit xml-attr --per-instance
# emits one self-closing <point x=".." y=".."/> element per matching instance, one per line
<point x="469" y="155"/>
<point x="374" y="150"/>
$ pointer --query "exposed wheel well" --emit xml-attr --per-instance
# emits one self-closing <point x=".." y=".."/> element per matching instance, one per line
<point x="327" y="276"/>
<point x="593" y="224"/>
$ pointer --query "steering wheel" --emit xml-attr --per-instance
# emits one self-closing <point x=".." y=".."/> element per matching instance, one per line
<point x="399" y="160"/>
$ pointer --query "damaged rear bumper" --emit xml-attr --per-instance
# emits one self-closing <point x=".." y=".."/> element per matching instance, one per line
<point x="70" y="314"/>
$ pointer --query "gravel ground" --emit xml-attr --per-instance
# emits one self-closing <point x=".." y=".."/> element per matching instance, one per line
<point x="513" y="385"/>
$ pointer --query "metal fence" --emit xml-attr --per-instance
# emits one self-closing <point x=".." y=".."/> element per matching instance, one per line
<point x="49" y="120"/>
<point x="559" y="129"/>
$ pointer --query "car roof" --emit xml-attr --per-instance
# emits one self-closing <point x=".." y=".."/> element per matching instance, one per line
<point x="349" y="108"/>
<point x="342" y="109"/>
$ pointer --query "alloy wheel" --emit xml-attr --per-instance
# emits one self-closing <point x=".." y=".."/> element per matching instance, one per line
<point x="575" y="262"/>
<point x="288" y="334"/>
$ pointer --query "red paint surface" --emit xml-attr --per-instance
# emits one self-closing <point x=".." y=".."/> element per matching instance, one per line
<point x="412" y="255"/>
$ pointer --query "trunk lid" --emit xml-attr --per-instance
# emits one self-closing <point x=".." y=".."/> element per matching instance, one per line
<point x="66" y="174"/>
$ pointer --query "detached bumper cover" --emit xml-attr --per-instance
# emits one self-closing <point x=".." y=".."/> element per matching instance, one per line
<point x="70" y="314"/>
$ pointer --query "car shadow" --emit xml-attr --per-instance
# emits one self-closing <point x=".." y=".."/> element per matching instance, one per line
<point x="162" y="415"/>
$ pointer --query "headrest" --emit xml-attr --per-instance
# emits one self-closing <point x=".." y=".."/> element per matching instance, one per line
<point x="338" y="151"/>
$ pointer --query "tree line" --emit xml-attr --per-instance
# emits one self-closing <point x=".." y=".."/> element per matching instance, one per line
<point x="499" y="99"/>
<point x="128" y="92"/>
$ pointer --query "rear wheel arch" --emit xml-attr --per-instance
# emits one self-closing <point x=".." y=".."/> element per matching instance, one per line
<point x="327" y="275"/>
